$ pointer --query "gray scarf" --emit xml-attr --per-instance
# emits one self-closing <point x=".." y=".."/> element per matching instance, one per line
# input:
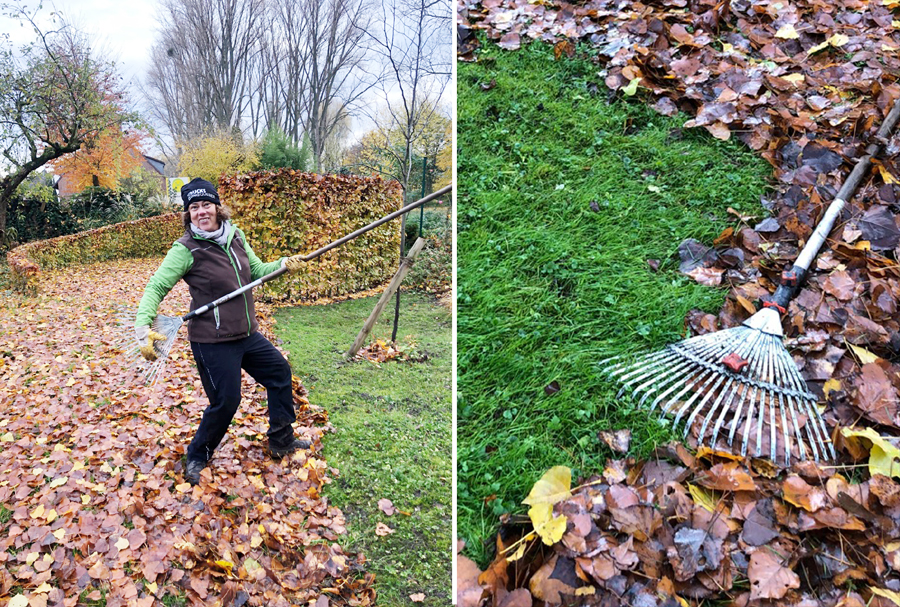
<point x="220" y="236"/>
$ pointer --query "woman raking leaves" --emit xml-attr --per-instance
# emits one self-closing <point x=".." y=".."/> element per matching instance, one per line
<point x="214" y="258"/>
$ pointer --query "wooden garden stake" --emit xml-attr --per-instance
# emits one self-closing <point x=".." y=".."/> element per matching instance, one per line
<point x="385" y="297"/>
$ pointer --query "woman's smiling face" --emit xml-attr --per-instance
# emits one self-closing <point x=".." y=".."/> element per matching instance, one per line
<point x="203" y="215"/>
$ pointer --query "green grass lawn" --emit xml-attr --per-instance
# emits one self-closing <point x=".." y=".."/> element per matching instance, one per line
<point x="393" y="436"/>
<point x="563" y="198"/>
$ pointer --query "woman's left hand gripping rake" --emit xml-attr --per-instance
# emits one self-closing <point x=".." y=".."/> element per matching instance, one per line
<point x="742" y="383"/>
<point x="166" y="327"/>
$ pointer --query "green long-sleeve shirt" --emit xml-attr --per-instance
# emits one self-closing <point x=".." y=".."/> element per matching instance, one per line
<point x="177" y="263"/>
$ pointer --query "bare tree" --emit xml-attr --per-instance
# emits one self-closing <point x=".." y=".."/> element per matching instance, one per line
<point x="297" y="64"/>
<point x="415" y="47"/>
<point x="55" y="97"/>
<point x="201" y="77"/>
<point x="335" y="47"/>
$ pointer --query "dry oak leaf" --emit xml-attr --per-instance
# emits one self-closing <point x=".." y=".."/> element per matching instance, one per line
<point x="769" y="578"/>
<point x="382" y="529"/>
<point x="468" y="591"/>
<point x="520" y="597"/>
<point x="417" y="597"/>
<point x="386" y="506"/>
<point x="803" y="495"/>
<point x="618" y="440"/>
<point x="726" y="477"/>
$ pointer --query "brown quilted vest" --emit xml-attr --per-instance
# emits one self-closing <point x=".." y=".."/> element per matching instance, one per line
<point x="217" y="272"/>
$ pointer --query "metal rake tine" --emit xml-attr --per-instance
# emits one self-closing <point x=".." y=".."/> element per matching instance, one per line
<point x="746" y="348"/>
<point x="751" y="388"/>
<point x="814" y="419"/>
<point x="782" y="379"/>
<point x="657" y="382"/>
<point x="709" y="394"/>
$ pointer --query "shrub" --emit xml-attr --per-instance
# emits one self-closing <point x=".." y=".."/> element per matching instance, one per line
<point x="277" y="151"/>
<point x="211" y="156"/>
<point x="287" y="212"/>
<point x="435" y="221"/>
<point x="140" y="238"/>
<point x="433" y="266"/>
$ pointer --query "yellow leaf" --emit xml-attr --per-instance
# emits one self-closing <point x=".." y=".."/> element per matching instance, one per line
<point x="553" y="487"/>
<point x="85" y="499"/>
<point x="895" y="23"/>
<point x="256" y="541"/>
<point x="226" y="565"/>
<point x="38" y="512"/>
<point x="70" y="383"/>
<point x="7" y="438"/>
<point x="838" y="40"/>
<point x="183" y="487"/>
<point x="585" y="591"/>
<point x="45" y="587"/>
<point x="884" y="458"/>
<point x="251" y="565"/>
<point x="704" y="497"/>
<point x="79" y="465"/>
<point x="830" y="385"/>
<point x="59" y="534"/>
<point x="817" y="48"/>
<point x="727" y="48"/>
<point x="787" y="32"/>
<point x="889" y="49"/>
<point x="31" y="558"/>
<point x="520" y="551"/>
<point x="794" y="79"/>
<point x="865" y="357"/>
<point x="888" y="594"/>
<point x="51" y="516"/>
<point x="550" y="528"/>
<point x="885" y="174"/>
<point x="18" y="601"/>
<point x="122" y="543"/>
<point x="151" y="587"/>
<point x="631" y="89"/>
<point x="59" y="482"/>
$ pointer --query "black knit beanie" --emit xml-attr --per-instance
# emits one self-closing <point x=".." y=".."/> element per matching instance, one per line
<point x="198" y="189"/>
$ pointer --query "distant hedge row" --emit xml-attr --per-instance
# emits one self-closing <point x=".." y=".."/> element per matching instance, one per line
<point x="139" y="238"/>
<point x="287" y="212"/>
<point x="283" y="212"/>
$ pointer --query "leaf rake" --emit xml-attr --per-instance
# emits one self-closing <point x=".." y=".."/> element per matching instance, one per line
<point x="742" y="382"/>
<point x="168" y="326"/>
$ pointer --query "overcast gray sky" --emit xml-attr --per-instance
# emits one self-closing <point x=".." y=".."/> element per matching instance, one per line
<point x="124" y="31"/>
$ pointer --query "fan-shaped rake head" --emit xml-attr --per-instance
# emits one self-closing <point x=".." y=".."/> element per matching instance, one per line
<point x="167" y="326"/>
<point x="737" y="384"/>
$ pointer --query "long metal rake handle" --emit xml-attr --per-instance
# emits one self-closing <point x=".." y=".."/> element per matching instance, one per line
<point x="789" y="287"/>
<point x="319" y="252"/>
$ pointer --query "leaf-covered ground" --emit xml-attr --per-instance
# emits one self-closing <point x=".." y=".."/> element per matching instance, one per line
<point x="93" y="502"/>
<point x="806" y="85"/>
<point x="680" y="530"/>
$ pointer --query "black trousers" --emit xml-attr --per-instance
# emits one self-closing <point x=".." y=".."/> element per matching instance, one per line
<point x="220" y="371"/>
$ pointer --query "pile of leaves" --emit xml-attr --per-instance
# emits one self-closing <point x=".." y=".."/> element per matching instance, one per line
<point x="380" y="351"/>
<point x="94" y="501"/>
<point x="287" y="212"/>
<point x="139" y="238"/>
<point x="683" y="529"/>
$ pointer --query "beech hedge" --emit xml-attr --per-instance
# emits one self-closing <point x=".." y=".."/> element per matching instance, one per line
<point x="139" y="238"/>
<point x="287" y="212"/>
<point x="283" y="212"/>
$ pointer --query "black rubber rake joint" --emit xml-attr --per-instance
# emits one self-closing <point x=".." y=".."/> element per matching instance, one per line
<point x="791" y="279"/>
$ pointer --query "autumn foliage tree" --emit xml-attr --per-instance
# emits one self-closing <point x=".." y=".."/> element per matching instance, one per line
<point x="55" y="98"/>
<point x="221" y="153"/>
<point x="112" y="156"/>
